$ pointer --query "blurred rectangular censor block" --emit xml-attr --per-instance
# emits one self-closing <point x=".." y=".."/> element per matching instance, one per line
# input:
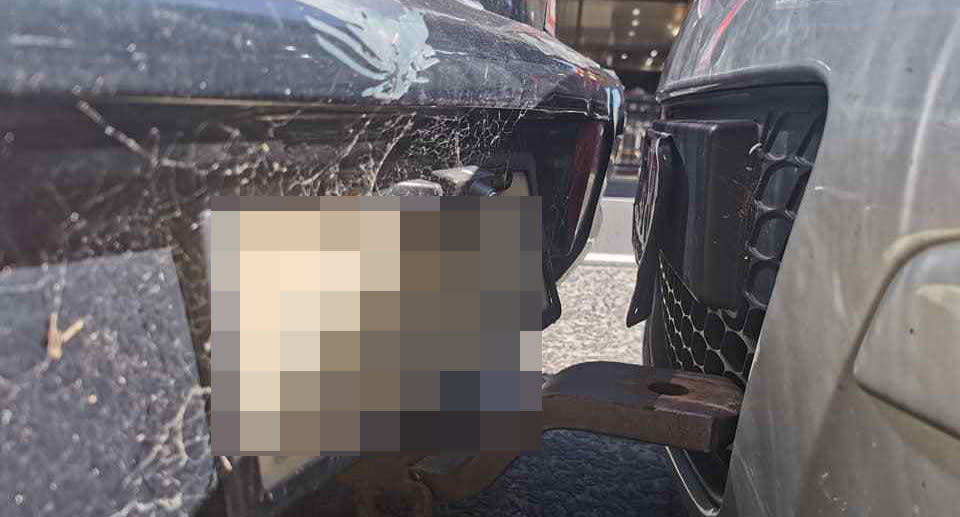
<point x="367" y="325"/>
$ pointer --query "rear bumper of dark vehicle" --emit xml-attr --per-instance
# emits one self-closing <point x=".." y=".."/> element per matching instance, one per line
<point x="121" y="120"/>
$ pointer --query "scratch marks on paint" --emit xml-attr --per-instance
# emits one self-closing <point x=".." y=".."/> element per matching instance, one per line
<point x="390" y="49"/>
<point x="472" y="3"/>
<point x="40" y="40"/>
<point x="168" y="504"/>
<point x="551" y="47"/>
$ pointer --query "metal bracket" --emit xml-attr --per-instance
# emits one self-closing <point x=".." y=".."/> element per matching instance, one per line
<point x="469" y="181"/>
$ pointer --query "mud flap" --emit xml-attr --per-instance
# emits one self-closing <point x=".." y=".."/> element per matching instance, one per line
<point x="656" y="171"/>
<point x="694" y="198"/>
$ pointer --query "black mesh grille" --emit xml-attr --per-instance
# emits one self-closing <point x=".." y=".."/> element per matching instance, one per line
<point x="697" y="336"/>
<point x="723" y="342"/>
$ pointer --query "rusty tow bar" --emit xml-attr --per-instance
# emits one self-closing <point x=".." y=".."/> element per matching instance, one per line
<point x="692" y="411"/>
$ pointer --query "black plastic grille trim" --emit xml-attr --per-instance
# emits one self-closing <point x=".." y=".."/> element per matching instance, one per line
<point x="722" y="342"/>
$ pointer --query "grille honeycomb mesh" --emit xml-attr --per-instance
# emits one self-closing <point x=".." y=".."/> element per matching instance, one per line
<point x="718" y="341"/>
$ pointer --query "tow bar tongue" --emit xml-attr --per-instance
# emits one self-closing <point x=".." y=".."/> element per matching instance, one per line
<point x="687" y="410"/>
<point x="692" y="411"/>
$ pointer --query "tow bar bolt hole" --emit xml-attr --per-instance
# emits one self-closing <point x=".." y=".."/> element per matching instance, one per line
<point x="668" y="388"/>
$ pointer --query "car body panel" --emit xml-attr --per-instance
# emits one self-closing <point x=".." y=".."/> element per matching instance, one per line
<point x="909" y="354"/>
<point x="121" y="120"/>
<point x="448" y="54"/>
<point x="811" y="440"/>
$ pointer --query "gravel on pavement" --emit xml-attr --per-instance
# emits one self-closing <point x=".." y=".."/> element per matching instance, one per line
<point x="591" y="326"/>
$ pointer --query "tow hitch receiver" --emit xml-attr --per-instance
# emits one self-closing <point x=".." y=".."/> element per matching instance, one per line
<point x="687" y="410"/>
<point x="692" y="411"/>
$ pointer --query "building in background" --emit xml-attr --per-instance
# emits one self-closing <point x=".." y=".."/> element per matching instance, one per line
<point x="631" y="37"/>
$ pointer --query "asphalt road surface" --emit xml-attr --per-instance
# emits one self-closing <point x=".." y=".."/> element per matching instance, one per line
<point x="581" y="473"/>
